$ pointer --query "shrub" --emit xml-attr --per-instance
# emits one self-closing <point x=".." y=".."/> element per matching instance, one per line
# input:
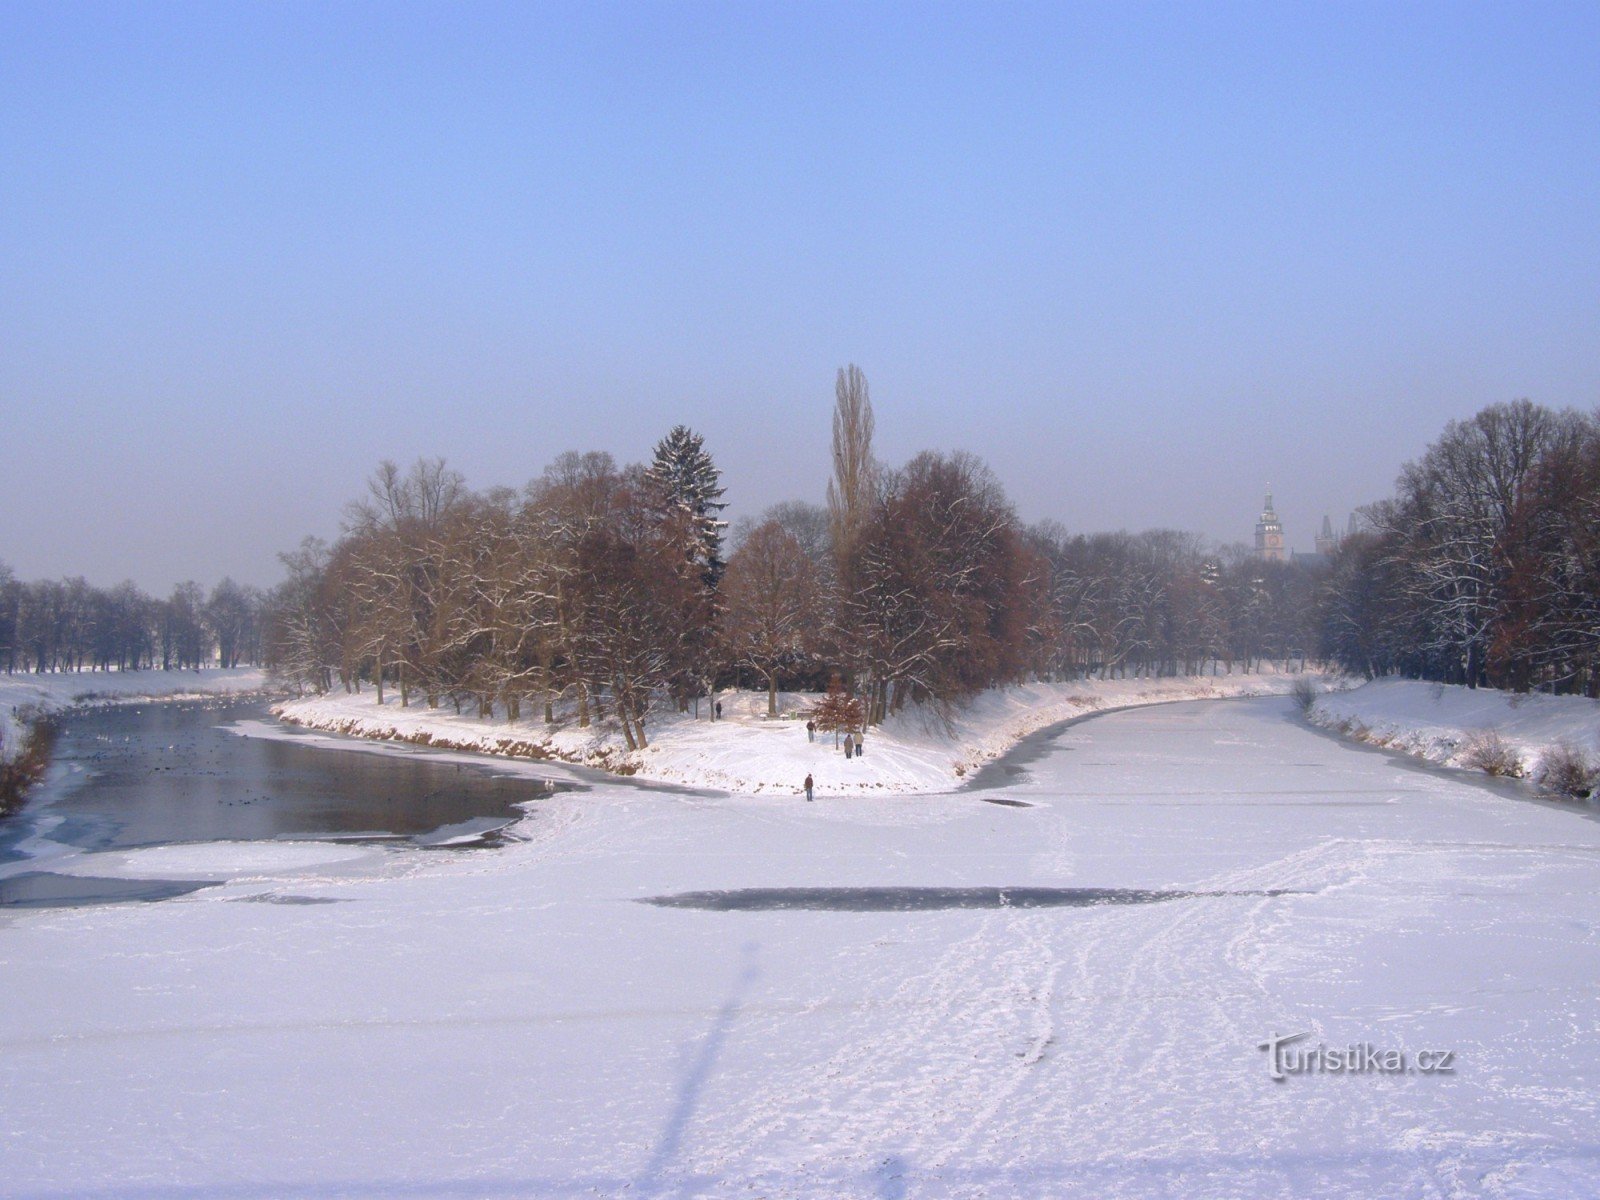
<point x="1568" y="770"/>
<point x="1304" y="692"/>
<point x="1488" y="752"/>
<point x="20" y="773"/>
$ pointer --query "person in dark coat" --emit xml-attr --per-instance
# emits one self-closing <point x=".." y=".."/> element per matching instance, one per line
<point x="719" y="710"/>
<point x="809" y="786"/>
<point x="849" y="744"/>
<point x="811" y="731"/>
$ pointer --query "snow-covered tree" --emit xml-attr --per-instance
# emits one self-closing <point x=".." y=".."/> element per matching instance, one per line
<point x="774" y="606"/>
<point x="689" y="486"/>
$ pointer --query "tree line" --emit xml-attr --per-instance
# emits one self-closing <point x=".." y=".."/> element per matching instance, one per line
<point x="1483" y="568"/>
<point x="604" y="590"/>
<point x="70" y="625"/>
<point x="600" y="589"/>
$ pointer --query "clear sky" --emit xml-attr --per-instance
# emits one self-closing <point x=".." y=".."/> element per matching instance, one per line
<point x="1143" y="259"/>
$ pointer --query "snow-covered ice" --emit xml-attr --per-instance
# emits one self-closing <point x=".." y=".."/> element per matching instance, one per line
<point x="212" y="860"/>
<point x="514" y="1023"/>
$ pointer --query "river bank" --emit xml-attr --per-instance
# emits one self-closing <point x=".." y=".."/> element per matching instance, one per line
<point x="1553" y="741"/>
<point x="23" y="767"/>
<point x="748" y="752"/>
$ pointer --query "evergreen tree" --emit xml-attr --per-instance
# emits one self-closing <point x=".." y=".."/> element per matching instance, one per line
<point x="689" y="485"/>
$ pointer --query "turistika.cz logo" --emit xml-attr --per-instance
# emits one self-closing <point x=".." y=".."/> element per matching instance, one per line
<point x="1286" y="1057"/>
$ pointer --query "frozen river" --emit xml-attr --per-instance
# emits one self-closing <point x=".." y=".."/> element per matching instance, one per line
<point x="1060" y="995"/>
<point x="148" y="775"/>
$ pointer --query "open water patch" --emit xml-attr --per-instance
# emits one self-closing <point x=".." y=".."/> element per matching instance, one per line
<point x="50" y="889"/>
<point x="163" y="774"/>
<point x="927" y="899"/>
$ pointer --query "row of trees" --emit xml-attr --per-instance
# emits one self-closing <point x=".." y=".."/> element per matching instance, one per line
<point x="605" y="588"/>
<point x="1484" y="567"/>
<point x="594" y="582"/>
<point x="69" y="625"/>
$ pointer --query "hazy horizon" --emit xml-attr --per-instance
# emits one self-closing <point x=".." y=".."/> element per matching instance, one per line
<point x="1146" y="262"/>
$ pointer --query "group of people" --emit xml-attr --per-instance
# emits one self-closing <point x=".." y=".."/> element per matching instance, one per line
<point x="855" y="746"/>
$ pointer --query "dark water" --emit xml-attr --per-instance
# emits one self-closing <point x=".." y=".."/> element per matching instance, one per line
<point x="46" y="889"/>
<point x="921" y="899"/>
<point x="159" y="774"/>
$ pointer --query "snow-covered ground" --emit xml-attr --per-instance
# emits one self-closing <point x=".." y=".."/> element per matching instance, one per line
<point x="57" y="690"/>
<point x="915" y="751"/>
<point x="1440" y="723"/>
<point x="363" y="1022"/>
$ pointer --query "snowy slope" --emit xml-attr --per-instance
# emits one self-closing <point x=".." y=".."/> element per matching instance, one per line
<point x="1438" y="722"/>
<point x="916" y="751"/>
<point x="487" y="1025"/>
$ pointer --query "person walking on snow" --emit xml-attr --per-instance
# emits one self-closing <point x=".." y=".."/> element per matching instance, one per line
<point x="808" y="789"/>
<point x="811" y="731"/>
<point x="849" y="745"/>
<point x="861" y="743"/>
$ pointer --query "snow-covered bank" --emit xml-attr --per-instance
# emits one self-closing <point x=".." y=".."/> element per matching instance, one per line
<point x="57" y="690"/>
<point x="26" y="693"/>
<point x="1455" y="726"/>
<point x="748" y="752"/>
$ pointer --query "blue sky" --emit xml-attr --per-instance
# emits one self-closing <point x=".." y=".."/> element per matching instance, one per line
<point x="1144" y="260"/>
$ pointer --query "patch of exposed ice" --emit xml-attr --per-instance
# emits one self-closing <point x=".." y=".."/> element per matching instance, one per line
<point x="216" y="860"/>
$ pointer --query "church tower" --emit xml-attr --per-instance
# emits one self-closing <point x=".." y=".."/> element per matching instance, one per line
<point x="1326" y="543"/>
<point x="1269" y="534"/>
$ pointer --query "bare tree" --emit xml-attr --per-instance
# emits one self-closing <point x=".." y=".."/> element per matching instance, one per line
<point x="773" y="607"/>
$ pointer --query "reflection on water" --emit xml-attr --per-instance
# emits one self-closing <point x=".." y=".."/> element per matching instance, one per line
<point x="922" y="899"/>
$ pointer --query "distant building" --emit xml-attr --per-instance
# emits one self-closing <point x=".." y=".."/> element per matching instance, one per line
<point x="1270" y="543"/>
<point x="1269" y="534"/>
<point x="1326" y="543"/>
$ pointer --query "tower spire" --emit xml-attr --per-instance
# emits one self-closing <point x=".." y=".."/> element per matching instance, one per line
<point x="1269" y="532"/>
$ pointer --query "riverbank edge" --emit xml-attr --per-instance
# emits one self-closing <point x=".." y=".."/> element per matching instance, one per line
<point x="1553" y="750"/>
<point x="981" y="732"/>
<point x="20" y="771"/>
